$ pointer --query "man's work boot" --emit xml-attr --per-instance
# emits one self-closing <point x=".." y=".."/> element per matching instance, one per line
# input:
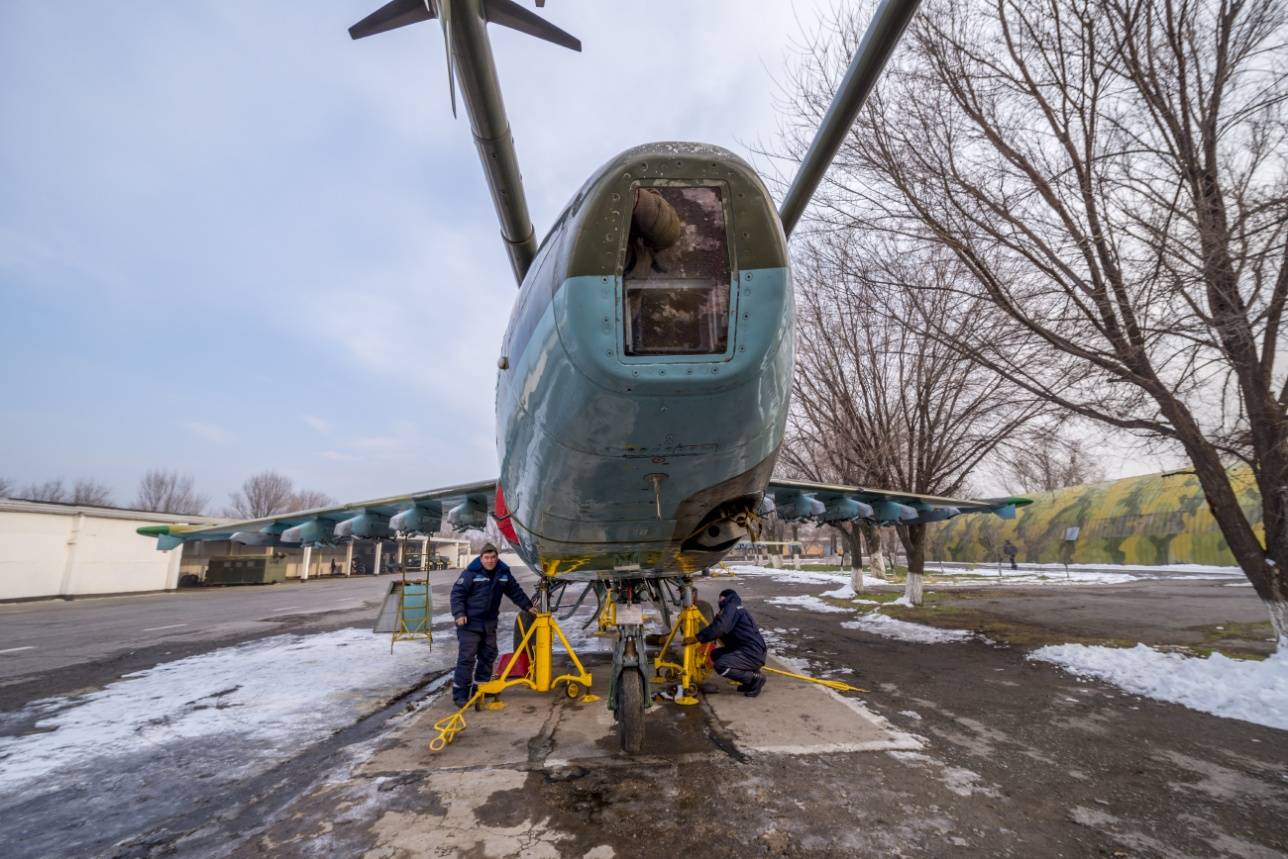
<point x="461" y="697"/>
<point x="754" y="686"/>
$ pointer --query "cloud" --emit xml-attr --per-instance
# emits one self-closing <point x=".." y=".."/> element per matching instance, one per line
<point x="297" y="226"/>
<point x="209" y="432"/>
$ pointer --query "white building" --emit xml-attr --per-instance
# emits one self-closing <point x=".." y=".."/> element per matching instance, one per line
<point x="51" y="550"/>
<point x="67" y="550"/>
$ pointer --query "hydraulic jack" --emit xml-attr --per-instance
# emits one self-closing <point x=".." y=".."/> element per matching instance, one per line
<point x="538" y="641"/>
<point x="695" y="662"/>
<point x="607" y="620"/>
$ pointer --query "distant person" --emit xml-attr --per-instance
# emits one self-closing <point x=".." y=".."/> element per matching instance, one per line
<point x="742" y="652"/>
<point x="476" y="600"/>
<point x="333" y="566"/>
<point x="1009" y="550"/>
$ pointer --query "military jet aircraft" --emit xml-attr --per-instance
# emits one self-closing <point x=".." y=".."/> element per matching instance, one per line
<point x="644" y="379"/>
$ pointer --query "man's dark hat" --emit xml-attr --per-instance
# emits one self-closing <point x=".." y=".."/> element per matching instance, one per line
<point x="488" y="547"/>
<point x="728" y="592"/>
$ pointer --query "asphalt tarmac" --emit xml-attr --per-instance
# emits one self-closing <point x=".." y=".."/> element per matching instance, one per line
<point x="957" y="750"/>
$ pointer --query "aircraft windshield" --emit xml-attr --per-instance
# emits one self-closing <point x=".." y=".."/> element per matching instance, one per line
<point x="677" y="273"/>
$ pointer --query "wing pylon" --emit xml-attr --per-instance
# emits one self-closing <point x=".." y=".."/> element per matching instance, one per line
<point x="461" y="507"/>
<point x="828" y="503"/>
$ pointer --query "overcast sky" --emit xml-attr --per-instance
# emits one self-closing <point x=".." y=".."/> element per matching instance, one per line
<point x="231" y="239"/>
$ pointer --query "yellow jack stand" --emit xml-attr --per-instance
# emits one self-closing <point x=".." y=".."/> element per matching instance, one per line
<point x="608" y="616"/>
<point x="540" y="677"/>
<point x="694" y="666"/>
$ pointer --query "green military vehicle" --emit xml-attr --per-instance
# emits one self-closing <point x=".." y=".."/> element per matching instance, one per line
<point x="249" y="570"/>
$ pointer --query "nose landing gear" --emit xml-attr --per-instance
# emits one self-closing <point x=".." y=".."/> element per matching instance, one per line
<point x="683" y="664"/>
<point x="628" y="692"/>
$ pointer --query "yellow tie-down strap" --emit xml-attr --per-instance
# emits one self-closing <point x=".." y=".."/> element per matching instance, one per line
<point x="838" y="685"/>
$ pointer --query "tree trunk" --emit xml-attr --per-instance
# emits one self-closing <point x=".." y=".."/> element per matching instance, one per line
<point x="913" y="538"/>
<point x="912" y="589"/>
<point x="872" y="537"/>
<point x="855" y="542"/>
<point x="1266" y="567"/>
<point x="1279" y="620"/>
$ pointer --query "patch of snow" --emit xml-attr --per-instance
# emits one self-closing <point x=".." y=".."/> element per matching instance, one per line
<point x="902" y="630"/>
<point x="911" y="714"/>
<point x="1165" y="569"/>
<point x="903" y="601"/>
<point x="911" y="757"/>
<point x="277" y="694"/>
<point x="960" y="781"/>
<point x="985" y="576"/>
<point x="964" y="782"/>
<point x="802" y="577"/>
<point x="846" y="592"/>
<point x="1238" y="585"/>
<point x="1252" y="691"/>
<point x="806" y="601"/>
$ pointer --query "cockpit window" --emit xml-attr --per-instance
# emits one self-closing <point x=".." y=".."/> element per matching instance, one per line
<point x="677" y="273"/>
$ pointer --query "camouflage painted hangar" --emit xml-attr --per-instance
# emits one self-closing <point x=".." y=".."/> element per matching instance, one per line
<point x="1151" y="519"/>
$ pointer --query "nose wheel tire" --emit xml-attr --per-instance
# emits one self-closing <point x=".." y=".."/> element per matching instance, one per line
<point x="630" y="712"/>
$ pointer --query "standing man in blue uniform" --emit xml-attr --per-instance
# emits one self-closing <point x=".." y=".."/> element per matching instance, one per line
<point x="476" y="599"/>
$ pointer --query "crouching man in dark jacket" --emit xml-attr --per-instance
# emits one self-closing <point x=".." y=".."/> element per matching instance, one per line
<point x="742" y="653"/>
<point x="476" y="599"/>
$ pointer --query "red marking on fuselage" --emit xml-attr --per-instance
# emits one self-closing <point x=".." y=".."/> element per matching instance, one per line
<point x="502" y="516"/>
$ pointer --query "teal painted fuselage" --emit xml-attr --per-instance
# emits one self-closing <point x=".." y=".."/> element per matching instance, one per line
<point x="644" y="386"/>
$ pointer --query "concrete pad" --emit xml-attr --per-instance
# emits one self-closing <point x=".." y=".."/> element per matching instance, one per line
<point x="587" y="732"/>
<point x="491" y="738"/>
<point x="537" y="731"/>
<point x="792" y="717"/>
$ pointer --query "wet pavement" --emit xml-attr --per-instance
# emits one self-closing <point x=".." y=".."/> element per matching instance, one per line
<point x="960" y="749"/>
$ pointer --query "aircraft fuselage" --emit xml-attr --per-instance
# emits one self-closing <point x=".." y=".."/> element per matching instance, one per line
<point x="644" y="388"/>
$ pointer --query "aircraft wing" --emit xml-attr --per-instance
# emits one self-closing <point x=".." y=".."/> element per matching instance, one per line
<point x="829" y="502"/>
<point x="464" y="506"/>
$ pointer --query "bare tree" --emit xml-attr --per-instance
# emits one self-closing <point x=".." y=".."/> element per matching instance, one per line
<point x="263" y="494"/>
<point x="1108" y="176"/>
<point x="164" y="491"/>
<point x="50" y="491"/>
<point x="6" y="487"/>
<point x="310" y="499"/>
<point x="1044" y="459"/>
<point x="879" y="404"/>
<point x="91" y="493"/>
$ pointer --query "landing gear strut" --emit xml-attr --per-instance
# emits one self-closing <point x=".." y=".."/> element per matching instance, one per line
<point x="628" y="690"/>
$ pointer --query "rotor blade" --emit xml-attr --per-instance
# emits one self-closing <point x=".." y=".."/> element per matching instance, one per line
<point x="391" y="16"/>
<point x="878" y="43"/>
<point x="444" y="17"/>
<point x="507" y="13"/>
